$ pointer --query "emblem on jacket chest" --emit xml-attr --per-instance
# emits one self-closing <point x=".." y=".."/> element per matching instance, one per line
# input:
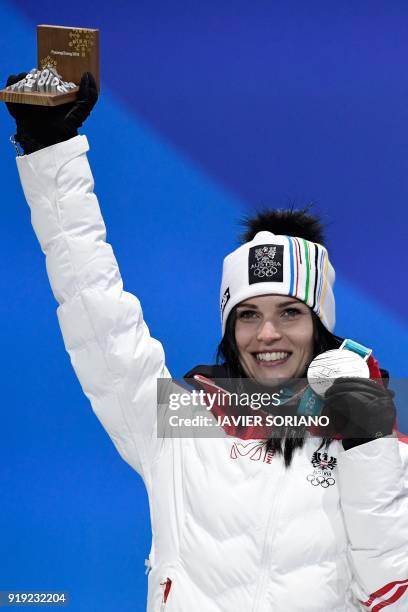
<point x="255" y="451"/>
<point x="322" y="474"/>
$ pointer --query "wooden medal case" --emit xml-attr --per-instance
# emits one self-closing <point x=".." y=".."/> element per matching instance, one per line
<point x="71" y="51"/>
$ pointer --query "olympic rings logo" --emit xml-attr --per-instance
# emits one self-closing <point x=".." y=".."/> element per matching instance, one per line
<point x="319" y="479"/>
<point x="262" y="271"/>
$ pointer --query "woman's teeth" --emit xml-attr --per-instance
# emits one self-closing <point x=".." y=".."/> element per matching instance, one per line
<point x="275" y="356"/>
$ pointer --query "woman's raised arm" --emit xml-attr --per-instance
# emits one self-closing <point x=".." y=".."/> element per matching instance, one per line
<point x="114" y="357"/>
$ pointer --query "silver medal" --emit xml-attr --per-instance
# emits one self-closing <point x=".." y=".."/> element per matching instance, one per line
<point x="345" y="361"/>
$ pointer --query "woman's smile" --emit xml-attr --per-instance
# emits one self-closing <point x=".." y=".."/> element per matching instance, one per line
<point x="270" y="359"/>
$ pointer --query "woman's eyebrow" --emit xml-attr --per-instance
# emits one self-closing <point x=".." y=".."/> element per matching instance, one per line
<point x="280" y="305"/>
<point x="289" y="303"/>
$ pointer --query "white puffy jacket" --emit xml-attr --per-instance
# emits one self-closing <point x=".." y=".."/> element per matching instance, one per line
<point x="233" y="530"/>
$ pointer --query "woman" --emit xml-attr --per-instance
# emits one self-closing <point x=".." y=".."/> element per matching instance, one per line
<point x="236" y="525"/>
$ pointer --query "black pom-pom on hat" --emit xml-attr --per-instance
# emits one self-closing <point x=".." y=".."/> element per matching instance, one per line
<point x="286" y="222"/>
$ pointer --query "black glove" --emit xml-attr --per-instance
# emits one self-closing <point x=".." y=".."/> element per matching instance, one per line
<point x="42" y="126"/>
<point x="360" y="410"/>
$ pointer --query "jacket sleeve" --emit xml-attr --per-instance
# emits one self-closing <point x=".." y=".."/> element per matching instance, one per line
<point x="374" y="497"/>
<point x="114" y="357"/>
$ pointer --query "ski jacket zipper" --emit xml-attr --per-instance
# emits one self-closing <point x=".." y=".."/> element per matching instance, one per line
<point x="269" y="537"/>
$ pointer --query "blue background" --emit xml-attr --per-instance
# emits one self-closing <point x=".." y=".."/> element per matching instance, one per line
<point x="208" y="110"/>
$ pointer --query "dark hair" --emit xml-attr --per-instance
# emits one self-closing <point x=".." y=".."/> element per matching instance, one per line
<point x="286" y="222"/>
<point x="289" y="222"/>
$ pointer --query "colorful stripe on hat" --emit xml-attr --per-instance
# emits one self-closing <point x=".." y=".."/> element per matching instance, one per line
<point x="306" y="249"/>
<point x="292" y="271"/>
<point x="326" y="265"/>
<point x="319" y="290"/>
<point x="316" y="267"/>
<point x="298" y="263"/>
<point x="310" y="265"/>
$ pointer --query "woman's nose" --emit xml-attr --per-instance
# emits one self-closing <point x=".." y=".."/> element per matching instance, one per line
<point x="268" y="332"/>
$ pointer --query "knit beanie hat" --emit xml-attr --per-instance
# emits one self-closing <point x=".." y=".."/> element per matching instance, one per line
<point x="289" y="262"/>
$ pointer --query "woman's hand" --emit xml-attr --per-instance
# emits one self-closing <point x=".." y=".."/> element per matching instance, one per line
<point x="360" y="410"/>
<point x="42" y="126"/>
